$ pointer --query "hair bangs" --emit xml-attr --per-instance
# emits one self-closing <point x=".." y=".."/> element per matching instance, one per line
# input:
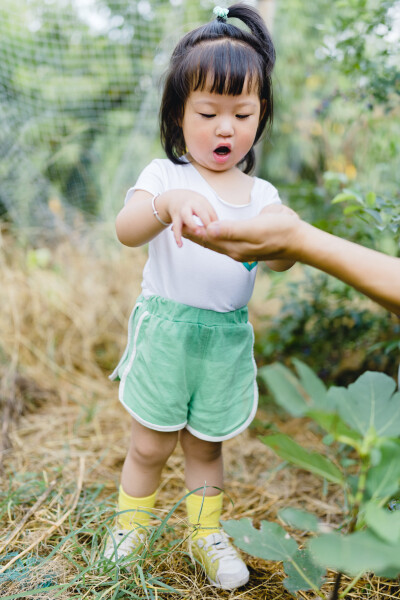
<point x="224" y="68"/>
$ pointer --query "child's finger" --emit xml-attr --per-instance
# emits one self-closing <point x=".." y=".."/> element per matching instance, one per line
<point x="177" y="229"/>
<point x="189" y="218"/>
<point x="206" y="215"/>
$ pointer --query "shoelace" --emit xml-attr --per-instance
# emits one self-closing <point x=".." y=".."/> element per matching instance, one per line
<point x="220" y="549"/>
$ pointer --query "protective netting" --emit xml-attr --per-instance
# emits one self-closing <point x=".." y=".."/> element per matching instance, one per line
<point x="79" y="99"/>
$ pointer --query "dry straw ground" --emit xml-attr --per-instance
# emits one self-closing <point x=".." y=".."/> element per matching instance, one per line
<point x="64" y="435"/>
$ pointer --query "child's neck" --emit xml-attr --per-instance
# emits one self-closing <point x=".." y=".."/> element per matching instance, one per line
<point x="233" y="186"/>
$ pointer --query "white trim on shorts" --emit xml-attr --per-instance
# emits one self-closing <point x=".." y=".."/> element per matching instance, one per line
<point x="164" y="428"/>
<point x="114" y="374"/>
<point x="126" y="373"/>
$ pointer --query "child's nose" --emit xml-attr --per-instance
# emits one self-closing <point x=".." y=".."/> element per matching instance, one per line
<point x="225" y="127"/>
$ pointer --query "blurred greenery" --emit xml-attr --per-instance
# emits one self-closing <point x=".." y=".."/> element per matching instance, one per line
<point x="334" y="157"/>
<point x="79" y="94"/>
<point x="337" y="114"/>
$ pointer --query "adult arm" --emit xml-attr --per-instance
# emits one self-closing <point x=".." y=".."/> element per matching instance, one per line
<point x="284" y="236"/>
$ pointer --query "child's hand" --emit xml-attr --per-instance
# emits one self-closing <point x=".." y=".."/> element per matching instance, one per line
<point x="182" y="206"/>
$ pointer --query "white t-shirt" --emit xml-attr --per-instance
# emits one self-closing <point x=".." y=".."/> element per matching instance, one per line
<point x="194" y="275"/>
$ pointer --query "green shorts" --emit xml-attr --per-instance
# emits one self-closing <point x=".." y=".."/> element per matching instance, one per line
<point x="187" y="367"/>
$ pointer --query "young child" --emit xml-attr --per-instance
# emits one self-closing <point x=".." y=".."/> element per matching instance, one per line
<point x="188" y="371"/>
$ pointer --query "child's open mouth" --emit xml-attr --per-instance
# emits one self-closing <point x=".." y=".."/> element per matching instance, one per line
<point x="221" y="153"/>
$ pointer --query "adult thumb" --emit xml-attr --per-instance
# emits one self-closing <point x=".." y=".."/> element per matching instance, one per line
<point x="221" y="230"/>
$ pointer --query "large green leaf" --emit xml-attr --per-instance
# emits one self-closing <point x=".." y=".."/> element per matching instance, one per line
<point x="302" y="572"/>
<point x="383" y="480"/>
<point x="355" y="553"/>
<point x="316" y="463"/>
<point x="333" y="424"/>
<point x="270" y="542"/>
<point x="384" y="523"/>
<point x="300" y="519"/>
<point x="369" y="404"/>
<point x="285" y="388"/>
<point x="295" y="395"/>
<point x="311" y="383"/>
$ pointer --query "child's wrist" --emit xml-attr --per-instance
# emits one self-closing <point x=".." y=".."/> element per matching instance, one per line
<point x="162" y="206"/>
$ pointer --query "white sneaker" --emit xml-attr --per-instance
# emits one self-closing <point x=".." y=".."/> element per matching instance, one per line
<point x="123" y="542"/>
<point x="221" y="562"/>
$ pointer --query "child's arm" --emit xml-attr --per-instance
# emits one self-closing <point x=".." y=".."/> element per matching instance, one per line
<point x="279" y="264"/>
<point x="136" y="223"/>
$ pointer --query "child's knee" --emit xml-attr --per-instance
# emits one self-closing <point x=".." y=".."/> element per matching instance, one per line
<point x="201" y="450"/>
<point x="152" y="449"/>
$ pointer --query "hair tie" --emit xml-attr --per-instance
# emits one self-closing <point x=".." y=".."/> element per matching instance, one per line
<point x="221" y="13"/>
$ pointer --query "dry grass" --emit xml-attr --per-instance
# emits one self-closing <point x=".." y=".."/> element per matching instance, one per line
<point x="62" y="328"/>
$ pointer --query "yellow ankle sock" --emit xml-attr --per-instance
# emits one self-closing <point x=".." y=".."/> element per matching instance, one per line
<point x="204" y="513"/>
<point x="135" y="517"/>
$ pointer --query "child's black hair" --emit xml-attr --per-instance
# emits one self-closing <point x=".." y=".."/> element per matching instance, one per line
<point x="231" y="56"/>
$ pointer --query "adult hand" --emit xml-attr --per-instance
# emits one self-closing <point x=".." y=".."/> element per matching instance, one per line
<point x="273" y="234"/>
<point x="281" y="235"/>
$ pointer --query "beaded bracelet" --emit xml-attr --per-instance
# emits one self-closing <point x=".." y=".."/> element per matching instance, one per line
<point x="155" y="211"/>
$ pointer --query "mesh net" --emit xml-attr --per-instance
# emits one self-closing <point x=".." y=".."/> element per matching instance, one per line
<point x="79" y="99"/>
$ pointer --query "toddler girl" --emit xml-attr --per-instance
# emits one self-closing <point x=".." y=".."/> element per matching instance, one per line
<point x="188" y="371"/>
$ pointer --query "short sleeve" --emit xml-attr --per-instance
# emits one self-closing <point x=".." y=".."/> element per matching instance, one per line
<point x="266" y="194"/>
<point x="150" y="180"/>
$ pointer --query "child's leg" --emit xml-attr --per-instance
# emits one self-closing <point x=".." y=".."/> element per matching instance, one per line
<point x="203" y="465"/>
<point x="147" y="454"/>
<point x="203" y="462"/>
<point x="210" y="545"/>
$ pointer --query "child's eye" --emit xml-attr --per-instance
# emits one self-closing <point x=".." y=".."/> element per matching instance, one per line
<point x="242" y="116"/>
<point x="207" y="116"/>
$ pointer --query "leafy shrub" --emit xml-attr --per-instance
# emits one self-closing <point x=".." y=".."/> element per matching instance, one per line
<point x="364" y="417"/>
<point x="323" y="322"/>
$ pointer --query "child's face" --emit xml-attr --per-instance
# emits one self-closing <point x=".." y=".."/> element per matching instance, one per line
<point x="219" y="130"/>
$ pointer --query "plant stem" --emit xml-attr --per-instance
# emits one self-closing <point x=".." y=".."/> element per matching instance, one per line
<point x="359" y="494"/>
<point x="335" y="592"/>
<point x="352" y="526"/>
<point x="351" y="585"/>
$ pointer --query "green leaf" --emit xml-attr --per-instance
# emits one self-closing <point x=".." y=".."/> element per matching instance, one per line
<point x="312" y="384"/>
<point x="336" y="427"/>
<point x="287" y="449"/>
<point x="355" y="553"/>
<point x="302" y="572"/>
<point x="384" y="523"/>
<point x="369" y="403"/>
<point x="370" y="199"/>
<point x="300" y="519"/>
<point x="383" y="480"/>
<point x="285" y="388"/>
<point x="270" y="542"/>
<point x="352" y="208"/>
<point x="346" y="197"/>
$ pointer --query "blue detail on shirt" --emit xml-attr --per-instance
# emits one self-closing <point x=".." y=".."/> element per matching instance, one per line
<point x="250" y="266"/>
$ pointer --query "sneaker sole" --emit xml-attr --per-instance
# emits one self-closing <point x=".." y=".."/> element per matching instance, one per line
<point x="231" y="586"/>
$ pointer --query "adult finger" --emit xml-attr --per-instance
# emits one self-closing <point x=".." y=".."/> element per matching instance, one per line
<point x="228" y="230"/>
